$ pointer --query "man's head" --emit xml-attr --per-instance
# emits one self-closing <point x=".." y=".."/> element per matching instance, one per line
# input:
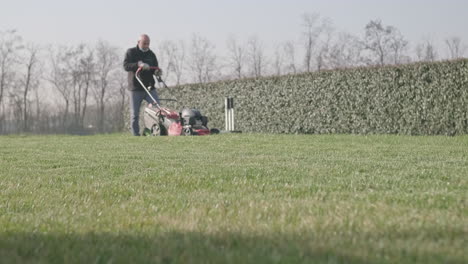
<point x="144" y="42"/>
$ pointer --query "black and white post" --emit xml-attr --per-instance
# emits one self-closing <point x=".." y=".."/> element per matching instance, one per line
<point x="229" y="113"/>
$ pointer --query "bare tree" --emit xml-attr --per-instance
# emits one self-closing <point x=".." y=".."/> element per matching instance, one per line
<point x="324" y="42"/>
<point x="80" y="72"/>
<point x="122" y="100"/>
<point x="59" y="78"/>
<point x="172" y="59"/>
<point x="398" y="48"/>
<point x="376" y="40"/>
<point x="72" y="75"/>
<point x="202" y="60"/>
<point x="38" y="108"/>
<point x="385" y="44"/>
<point x="107" y="59"/>
<point x="236" y="53"/>
<point x="455" y="47"/>
<point x="256" y="56"/>
<point x="345" y="51"/>
<point x="166" y="57"/>
<point x="311" y="34"/>
<point x="15" y="113"/>
<point x="426" y="51"/>
<point x="87" y="69"/>
<point x="290" y="56"/>
<point x="29" y="82"/>
<point x="178" y="60"/>
<point x="117" y="112"/>
<point x="10" y="44"/>
<point x="317" y="34"/>
<point x="278" y="60"/>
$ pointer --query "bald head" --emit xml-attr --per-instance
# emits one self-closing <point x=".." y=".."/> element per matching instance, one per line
<point x="144" y="42"/>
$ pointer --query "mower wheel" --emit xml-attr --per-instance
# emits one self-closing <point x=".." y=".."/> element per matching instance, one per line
<point x="157" y="130"/>
<point x="188" y="131"/>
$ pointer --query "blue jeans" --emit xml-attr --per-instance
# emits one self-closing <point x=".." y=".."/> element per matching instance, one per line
<point x="136" y="98"/>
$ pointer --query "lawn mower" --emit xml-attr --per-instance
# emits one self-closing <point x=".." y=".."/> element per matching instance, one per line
<point x="162" y="121"/>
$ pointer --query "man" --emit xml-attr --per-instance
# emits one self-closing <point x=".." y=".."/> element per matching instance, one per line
<point x="136" y="57"/>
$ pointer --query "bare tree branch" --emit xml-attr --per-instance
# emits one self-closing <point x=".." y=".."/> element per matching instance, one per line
<point x="202" y="60"/>
<point x="311" y="33"/>
<point x="30" y="81"/>
<point x="345" y="51"/>
<point x="289" y="50"/>
<point x="426" y="51"/>
<point x="236" y="55"/>
<point x="384" y="43"/>
<point x="59" y="77"/>
<point x="107" y="58"/>
<point x="10" y="44"/>
<point x="257" y="59"/>
<point x="456" y="47"/>
<point x="278" y="60"/>
<point x="173" y="57"/>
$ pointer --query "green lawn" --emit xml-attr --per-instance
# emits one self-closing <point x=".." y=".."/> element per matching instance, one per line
<point x="233" y="198"/>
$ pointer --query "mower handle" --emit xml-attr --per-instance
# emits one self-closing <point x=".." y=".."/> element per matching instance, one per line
<point x="151" y="68"/>
<point x="137" y="76"/>
<point x="157" y="78"/>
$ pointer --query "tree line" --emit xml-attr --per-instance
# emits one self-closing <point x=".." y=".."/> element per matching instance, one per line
<point x="82" y="88"/>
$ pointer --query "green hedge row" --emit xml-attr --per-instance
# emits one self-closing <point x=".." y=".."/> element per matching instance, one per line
<point x="414" y="99"/>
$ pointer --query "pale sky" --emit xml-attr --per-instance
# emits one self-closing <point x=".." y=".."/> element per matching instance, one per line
<point x="273" y="21"/>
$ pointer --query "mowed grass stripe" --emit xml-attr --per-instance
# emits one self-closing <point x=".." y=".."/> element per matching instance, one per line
<point x="249" y="198"/>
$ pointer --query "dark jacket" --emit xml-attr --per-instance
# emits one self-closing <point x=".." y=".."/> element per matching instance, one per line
<point x="130" y="64"/>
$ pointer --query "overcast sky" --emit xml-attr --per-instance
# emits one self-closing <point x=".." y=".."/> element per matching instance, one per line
<point x="273" y="21"/>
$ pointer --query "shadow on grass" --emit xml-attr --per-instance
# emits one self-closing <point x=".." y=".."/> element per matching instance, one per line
<point x="177" y="247"/>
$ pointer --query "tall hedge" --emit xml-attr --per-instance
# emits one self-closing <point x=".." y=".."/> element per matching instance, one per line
<point x="414" y="99"/>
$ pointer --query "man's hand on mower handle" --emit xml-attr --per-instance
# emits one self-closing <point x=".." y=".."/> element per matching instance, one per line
<point x="158" y="72"/>
<point x="143" y="65"/>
